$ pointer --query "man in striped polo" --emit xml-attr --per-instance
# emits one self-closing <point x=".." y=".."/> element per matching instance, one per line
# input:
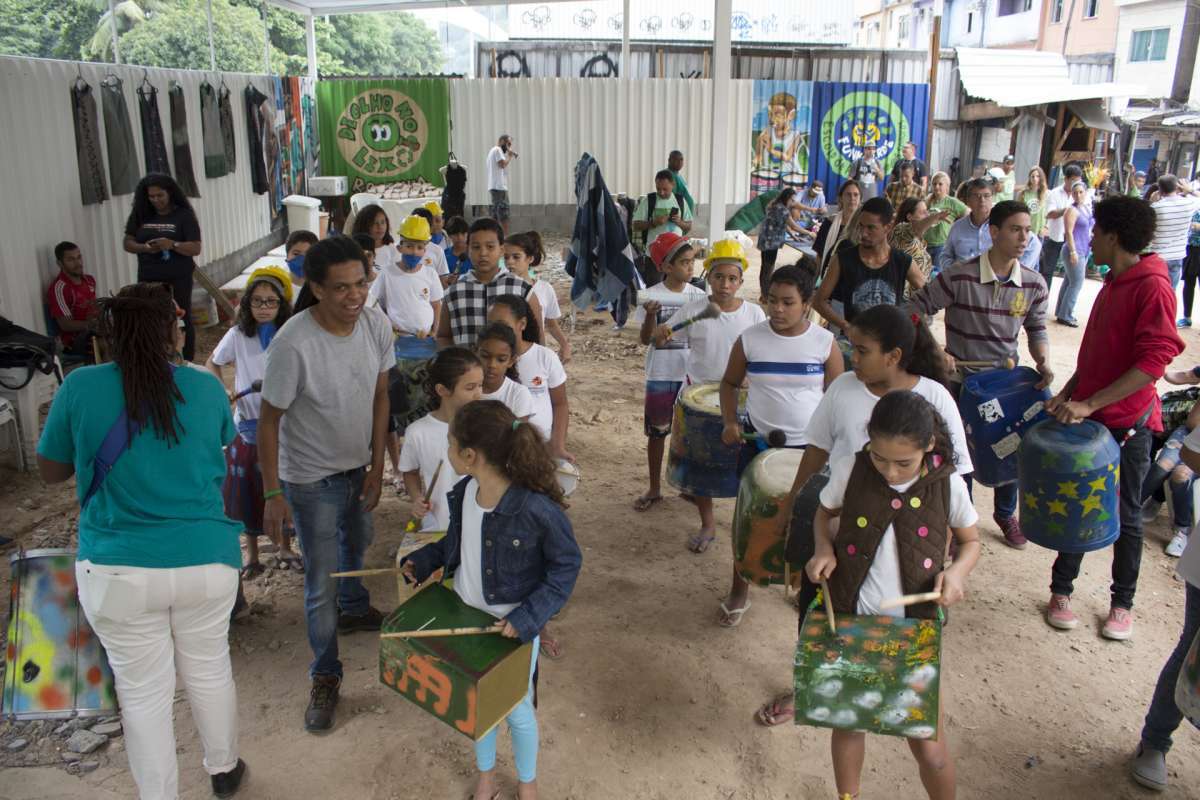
<point x="1173" y="211"/>
<point x="988" y="299"/>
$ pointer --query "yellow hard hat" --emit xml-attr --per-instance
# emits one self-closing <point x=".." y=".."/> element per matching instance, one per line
<point x="433" y="207"/>
<point x="726" y="250"/>
<point x="415" y="229"/>
<point x="278" y="276"/>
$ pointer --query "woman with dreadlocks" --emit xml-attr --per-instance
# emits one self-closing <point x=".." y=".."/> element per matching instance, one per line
<point x="158" y="560"/>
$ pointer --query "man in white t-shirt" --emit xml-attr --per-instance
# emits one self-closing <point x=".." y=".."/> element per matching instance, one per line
<point x="1006" y="180"/>
<point x="1058" y="200"/>
<point x="498" y="159"/>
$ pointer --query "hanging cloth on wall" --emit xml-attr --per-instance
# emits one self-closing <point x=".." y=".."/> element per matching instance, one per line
<point x="454" y="194"/>
<point x="92" y="188"/>
<point x="185" y="176"/>
<point x="123" y="168"/>
<point x="275" y="133"/>
<point x="210" y="129"/>
<point x="227" y="139"/>
<point x="254" y="129"/>
<point x="152" y="133"/>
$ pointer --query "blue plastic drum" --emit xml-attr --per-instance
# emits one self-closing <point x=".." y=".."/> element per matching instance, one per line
<point x="697" y="461"/>
<point x="997" y="407"/>
<point x="1070" y="486"/>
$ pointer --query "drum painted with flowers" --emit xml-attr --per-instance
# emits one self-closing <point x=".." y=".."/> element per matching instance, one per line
<point x="55" y="666"/>
<point x="698" y="463"/>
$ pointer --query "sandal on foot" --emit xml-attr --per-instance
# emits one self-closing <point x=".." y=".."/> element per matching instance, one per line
<point x="700" y="542"/>
<point x="774" y="712"/>
<point x="252" y="571"/>
<point x="646" y="502"/>
<point x="550" y="648"/>
<point x="291" y="562"/>
<point x="733" y="616"/>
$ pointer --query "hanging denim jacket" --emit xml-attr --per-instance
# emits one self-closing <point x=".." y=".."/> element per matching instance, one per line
<point x="529" y="555"/>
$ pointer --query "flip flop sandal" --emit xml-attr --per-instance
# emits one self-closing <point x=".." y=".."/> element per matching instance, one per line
<point x="645" y="502"/>
<point x="544" y="649"/>
<point x="733" y="616"/>
<point x="772" y="714"/>
<point x="700" y="542"/>
<point x="295" y="563"/>
<point x="282" y="563"/>
<point x="252" y="571"/>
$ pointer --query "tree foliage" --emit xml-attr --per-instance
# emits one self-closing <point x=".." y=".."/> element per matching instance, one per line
<point x="174" y="34"/>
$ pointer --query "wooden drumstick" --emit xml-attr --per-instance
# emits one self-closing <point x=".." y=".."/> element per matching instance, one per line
<point x="412" y="523"/>
<point x="1003" y="363"/>
<point x="828" y="606"/>
<point x="363" y="573"/>
<point x="911" y="600"/>
<point x="774" y="438"/>
<point x="421" y="634"/>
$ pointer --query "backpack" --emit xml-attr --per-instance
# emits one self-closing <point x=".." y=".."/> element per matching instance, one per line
<point x="1176" y="406"/>
<point x="21" y="348"/>
<point x="640" y="237"/>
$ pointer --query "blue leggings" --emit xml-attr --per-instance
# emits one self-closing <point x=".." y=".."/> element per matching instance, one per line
<point x="523" y="727"/>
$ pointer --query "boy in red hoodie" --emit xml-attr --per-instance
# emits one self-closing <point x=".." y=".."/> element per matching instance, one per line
<point x="1129" y="341"/>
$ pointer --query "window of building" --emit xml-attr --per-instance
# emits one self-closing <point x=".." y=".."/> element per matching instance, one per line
<point x="1008" y="7"/>
<point x="970" y="21"/>
<point x="902" y="28"/>
<point x="1056" y="10"/>
<point x="1150" y="45"/>
<point x="1027" y="5"/>
<point x="1090" y="8"/>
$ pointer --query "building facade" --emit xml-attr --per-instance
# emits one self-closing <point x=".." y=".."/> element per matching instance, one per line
<point x="992" y="23"/>
<point x="1079" y="27"/>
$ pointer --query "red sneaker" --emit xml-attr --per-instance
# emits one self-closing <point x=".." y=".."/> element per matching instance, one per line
<point x="1059" y="614"/>
<point x="1012" y="532"/>
<point x="1119" y="625"/>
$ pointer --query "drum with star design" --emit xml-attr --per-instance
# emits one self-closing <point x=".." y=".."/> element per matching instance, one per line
<point x="1069" y="477"/>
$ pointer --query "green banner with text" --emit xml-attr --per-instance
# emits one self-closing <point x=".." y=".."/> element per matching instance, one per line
<point x="384" y="131"/>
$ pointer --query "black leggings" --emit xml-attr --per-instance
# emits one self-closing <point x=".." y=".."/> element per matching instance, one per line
<point x="764" y="273"/>
<point x="181" y="288"/>
<point x="1189" y="291"/>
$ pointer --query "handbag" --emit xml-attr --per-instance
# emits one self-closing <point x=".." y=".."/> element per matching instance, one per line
<point x="21" y="348"/>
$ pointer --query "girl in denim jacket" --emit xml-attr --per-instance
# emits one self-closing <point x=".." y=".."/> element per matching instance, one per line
<point x="511" y="550"/>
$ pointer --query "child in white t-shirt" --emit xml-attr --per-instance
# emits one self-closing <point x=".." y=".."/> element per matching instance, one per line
<point x="496" y="347"/>
<point x="435" y="256"/>
<point x="897" y="501"/>
<point x="454" y="378"/>
<point x="665" y="365"/>
<point x="373" y="221"/>
<point x="709" y="345"/>
<point x="521" y="252"/>
<point x="539" y="371"/>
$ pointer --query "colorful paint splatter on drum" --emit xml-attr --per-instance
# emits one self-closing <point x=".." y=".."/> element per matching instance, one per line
<point x="880" y="674"/>
<point x="55" y="665"/>
<point x="760" y="529"/>
<point x="697" y="462"/>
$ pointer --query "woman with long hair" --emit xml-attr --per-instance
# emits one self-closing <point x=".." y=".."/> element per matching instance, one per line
<point x="164" y="233"/>
<point x="1033" y="194"/>
<point x="771" y="237"/>
<point x="839" y="227"/>
<point x="913" y="221"/>
<point x="158" y="559"/>
<point x="1078" y="225"/>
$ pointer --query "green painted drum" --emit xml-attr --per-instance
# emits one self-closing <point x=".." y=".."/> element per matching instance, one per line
<point x="470" y="683"/>
<point x="759" y="524"/>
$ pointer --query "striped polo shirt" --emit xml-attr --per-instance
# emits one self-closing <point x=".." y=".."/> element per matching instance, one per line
<point x="786" y="377"/>
<point x="984" y="313"/>
<point x="1174" y="214"/>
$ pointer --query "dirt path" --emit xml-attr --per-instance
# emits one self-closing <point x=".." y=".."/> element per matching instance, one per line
<point x="653" y="700"/>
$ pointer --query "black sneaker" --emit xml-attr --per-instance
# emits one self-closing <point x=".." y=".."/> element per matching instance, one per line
<point x="370" y="621"/>
<point x="226" y="784"/>
<point x="322" y="702"/>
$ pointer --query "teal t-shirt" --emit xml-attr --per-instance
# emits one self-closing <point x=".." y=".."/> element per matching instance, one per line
<point x="161" y="504"/>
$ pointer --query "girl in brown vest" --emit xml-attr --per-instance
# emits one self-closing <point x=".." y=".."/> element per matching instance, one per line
<point x="897" y="501"/>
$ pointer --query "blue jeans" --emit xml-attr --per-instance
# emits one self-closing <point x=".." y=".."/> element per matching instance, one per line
<point x="934" y="251"/>
<point x="1168" y="469"/>
<point x="1051" y="251"/>
<point x="1004" y="498"/>
<point x="1069" y="293"/>
<point x="335" y="532"/>
<point x="523" y="727"/>
<point x="1175" y="270"/>
<point x="1163" y="716"/>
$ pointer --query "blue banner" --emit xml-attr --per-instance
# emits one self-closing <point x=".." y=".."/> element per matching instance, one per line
<point x="845" y="116"/>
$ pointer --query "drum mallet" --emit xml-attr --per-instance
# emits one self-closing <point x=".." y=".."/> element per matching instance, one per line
<point x="828" y="606"/>
<point x="911" y="600"/>
<point x="1001" y="363"/>
<point x="711" y="311"/>
<point x="412" y="523"/>
<point x="774" y="438"/>
<point x="254" y="387"/>
<point x="420" y="634"/>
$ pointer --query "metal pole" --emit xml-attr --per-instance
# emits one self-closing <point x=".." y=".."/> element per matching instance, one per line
<point x="310" y="40"/>
<point x="626" y="66"/>
<point x="266" y="41"/>
<point x="212" y="51"/>
<point x="718" y="164"/>
<point x="112" y="27"/>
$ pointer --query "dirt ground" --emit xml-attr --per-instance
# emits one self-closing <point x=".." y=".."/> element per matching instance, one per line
<point x="653" y="700"/>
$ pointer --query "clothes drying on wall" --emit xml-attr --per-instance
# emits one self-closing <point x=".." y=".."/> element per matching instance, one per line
<point x="153" y="141"/>
<point x="92" y="186"/>
<point x="229" y="143"/>
<point x="210" y="130"/>
<point x="123" y="168"/>
<point x="185" y="176"/>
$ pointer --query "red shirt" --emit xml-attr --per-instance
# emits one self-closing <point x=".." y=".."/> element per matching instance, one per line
<point x="71" y="300"/>
<point x="1132" y="324"/>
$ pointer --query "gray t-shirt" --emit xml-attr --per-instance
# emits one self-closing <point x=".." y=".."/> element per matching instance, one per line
<point x="325" y="385"/>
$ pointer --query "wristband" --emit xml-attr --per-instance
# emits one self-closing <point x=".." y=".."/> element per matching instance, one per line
<point x="267" y="495"/>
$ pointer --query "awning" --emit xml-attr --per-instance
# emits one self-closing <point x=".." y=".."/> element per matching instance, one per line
<point x="1189" y="118"/>
<point x="1091" y="113"/>
<point x="1016" y="78"/>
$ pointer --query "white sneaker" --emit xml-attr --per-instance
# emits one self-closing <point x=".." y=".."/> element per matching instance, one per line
<point x="1150" y="509"/>
<point x="1178" y="543"/>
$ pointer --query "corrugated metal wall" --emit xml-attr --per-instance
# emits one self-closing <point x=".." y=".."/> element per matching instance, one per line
<point x="40" y="179"/>
<point x="1090" y="71"/>
<point x="628" y="126"/>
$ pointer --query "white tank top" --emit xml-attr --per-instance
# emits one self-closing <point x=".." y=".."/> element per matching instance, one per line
<point x="786" y="376"/>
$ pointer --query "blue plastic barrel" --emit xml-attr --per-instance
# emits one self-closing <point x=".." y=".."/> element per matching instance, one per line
<point x="1069" y="479"/>
<point x="997" y="407"/>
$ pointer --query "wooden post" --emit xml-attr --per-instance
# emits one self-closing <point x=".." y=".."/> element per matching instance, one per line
<point x="935" y="51"/>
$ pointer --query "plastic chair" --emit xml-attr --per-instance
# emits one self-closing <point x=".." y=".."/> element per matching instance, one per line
<point x="67" y="360"/>
<point x="12" y="434"/>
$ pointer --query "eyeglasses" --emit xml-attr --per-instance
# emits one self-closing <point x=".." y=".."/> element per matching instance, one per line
<point x="260" y="303"/>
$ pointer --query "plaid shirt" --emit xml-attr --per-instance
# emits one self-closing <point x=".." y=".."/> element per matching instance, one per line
<point x="468" y="301"/>
<point x="897" y="192"/>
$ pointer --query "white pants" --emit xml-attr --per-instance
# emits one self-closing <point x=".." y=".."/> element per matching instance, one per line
<point x="152" y="622"/>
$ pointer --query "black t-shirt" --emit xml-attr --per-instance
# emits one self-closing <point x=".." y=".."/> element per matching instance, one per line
<point x="180" y="225"/>
<point x="919" y="170"/>
<point x="861" y="287"/>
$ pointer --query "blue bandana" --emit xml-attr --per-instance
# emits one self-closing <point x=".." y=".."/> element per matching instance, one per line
<point x="266" y="332"/>
<point x="411" y="262"/>
<point x="296" y="265"/>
